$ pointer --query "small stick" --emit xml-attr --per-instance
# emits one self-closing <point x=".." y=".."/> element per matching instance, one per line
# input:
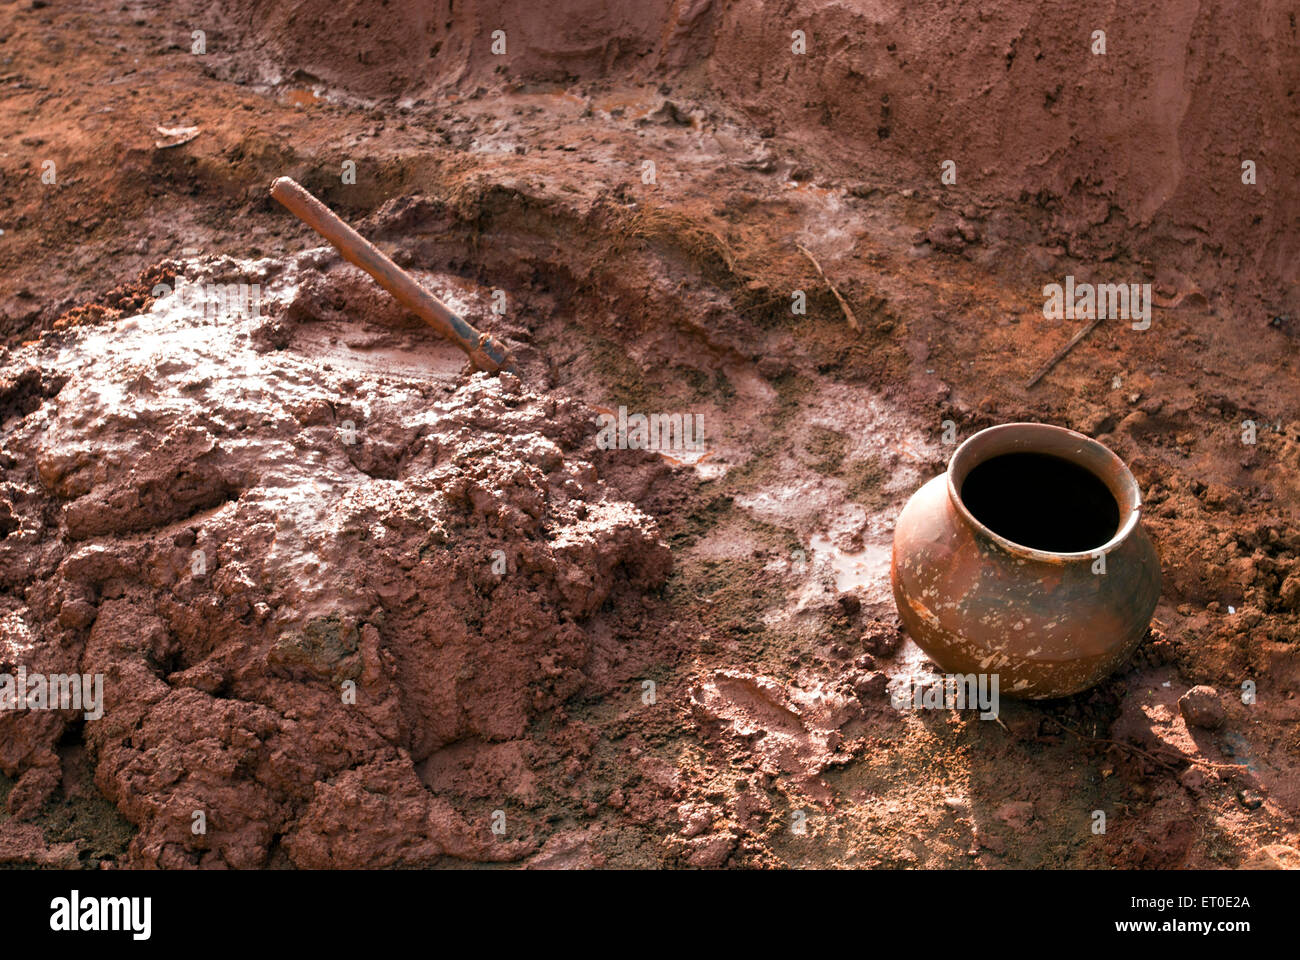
<point x="485" y="351"/>
<point x="1117" y="743"/>
<point x="848" y="311"/>
<point x="1154" y="758"/>
<point x="1056" y="357"/>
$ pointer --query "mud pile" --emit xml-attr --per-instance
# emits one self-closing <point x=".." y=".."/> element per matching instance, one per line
<point x="1095" y="147"/>
<point x="297" y="583"/>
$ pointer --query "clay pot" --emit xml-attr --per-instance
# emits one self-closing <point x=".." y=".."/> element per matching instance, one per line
<point x="997" y="564"/>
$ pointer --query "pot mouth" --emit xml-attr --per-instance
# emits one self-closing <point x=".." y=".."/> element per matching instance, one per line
<point x="1053" y="487"/>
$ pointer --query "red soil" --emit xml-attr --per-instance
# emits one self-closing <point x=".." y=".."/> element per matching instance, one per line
<point x="751" y="594"/>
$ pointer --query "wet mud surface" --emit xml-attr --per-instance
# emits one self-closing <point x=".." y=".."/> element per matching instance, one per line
<point x="362" y="608"/>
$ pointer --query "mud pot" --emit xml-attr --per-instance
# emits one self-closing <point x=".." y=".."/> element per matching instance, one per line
<point x="354" y="604"/>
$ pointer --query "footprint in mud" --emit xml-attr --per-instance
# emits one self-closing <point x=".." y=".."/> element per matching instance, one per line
<point x="786" y="730"/>
<point x="750" y="703"/>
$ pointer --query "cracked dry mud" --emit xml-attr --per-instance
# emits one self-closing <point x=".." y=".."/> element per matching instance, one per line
<point x="277" y="537"/>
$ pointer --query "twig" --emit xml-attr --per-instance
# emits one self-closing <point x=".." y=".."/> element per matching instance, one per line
<point x="1056" y="357"/>
<point x="844" y="305"/>
<point x="1195" y="761"/>
<point x="1117" y="743"/>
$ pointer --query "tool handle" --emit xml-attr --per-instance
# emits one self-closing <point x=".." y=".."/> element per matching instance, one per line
<point x="485" y="351"/>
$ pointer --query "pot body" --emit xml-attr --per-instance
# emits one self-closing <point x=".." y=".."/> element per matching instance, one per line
<point x="1047" y="625"/>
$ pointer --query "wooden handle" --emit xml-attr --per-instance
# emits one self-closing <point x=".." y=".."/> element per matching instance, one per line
<point x="485" y="352"/>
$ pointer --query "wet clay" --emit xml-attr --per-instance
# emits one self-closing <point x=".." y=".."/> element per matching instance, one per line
<point x="298" y="586"/>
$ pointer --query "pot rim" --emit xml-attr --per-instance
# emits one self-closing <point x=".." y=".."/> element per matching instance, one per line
<point x="1081" y="450"/>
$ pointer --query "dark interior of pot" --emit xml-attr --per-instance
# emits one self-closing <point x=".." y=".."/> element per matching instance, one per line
<point x="1042" y="502"/>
